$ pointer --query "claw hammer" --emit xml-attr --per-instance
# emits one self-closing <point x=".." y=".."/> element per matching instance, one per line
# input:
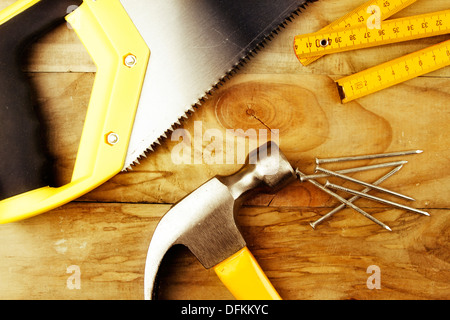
<point x="204" y="221"/>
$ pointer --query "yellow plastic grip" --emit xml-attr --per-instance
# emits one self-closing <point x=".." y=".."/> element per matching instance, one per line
<point x="244" y="278"/>
<point x="121" y="57"/>
<point x="15" y="9"/>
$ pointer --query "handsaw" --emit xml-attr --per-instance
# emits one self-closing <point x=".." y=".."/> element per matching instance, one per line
<point x="155" y="61"/>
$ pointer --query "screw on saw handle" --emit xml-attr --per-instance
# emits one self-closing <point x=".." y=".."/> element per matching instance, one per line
<point x="23" y="162"/>
<point x="110" y="37"/>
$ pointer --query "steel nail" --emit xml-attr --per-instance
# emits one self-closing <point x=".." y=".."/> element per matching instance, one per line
<point x="351" y="205"/>
<point x="366" y="184"/>
<point x="354" y="198"/>
<point x="370" y="197"/>
<point x="355" y="169"/>
<point x="366" y="157"/>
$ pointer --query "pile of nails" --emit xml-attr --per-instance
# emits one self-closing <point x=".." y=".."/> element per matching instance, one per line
<point x="342" y="174"/>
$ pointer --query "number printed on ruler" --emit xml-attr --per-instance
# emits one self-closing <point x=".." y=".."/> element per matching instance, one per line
<point x="394" y="72"/>
<point x="410" y="28"/>
<point x="371" y="13"/>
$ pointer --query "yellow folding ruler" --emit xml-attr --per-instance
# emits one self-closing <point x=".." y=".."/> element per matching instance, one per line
<point x="367" y="26"/>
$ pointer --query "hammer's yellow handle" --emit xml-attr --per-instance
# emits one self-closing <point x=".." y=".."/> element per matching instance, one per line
<point x="245" y="279"/>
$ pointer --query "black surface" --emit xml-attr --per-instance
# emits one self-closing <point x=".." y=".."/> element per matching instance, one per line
<point x="24" y="164"/>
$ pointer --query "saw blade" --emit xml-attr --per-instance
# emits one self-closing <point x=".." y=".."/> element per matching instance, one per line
<point x="194" y="45"/>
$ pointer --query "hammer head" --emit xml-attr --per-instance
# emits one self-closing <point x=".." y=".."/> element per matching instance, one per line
<point x="204" y="220"/>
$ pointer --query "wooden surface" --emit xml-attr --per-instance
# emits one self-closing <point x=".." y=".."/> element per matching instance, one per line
<point x="105" y="234"/>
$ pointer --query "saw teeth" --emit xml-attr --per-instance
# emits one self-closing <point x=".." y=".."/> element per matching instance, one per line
<point x="221" y="82"/>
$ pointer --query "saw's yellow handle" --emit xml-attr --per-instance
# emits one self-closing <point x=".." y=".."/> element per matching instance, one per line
<point x="121" y="57"/>
<point x="244" y="278"/>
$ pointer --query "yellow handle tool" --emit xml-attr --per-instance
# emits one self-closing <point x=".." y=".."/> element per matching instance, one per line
<point x="136" y="101"/>
<point x="204" y="221"/>
<point x="121" y="57"/>
<point x="244" y="278"/>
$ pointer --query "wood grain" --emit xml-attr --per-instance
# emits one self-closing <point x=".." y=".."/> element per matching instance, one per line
<point x="311" y="124"/>
<point x="106" y="232"/>
<point x="109" y="242"/>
